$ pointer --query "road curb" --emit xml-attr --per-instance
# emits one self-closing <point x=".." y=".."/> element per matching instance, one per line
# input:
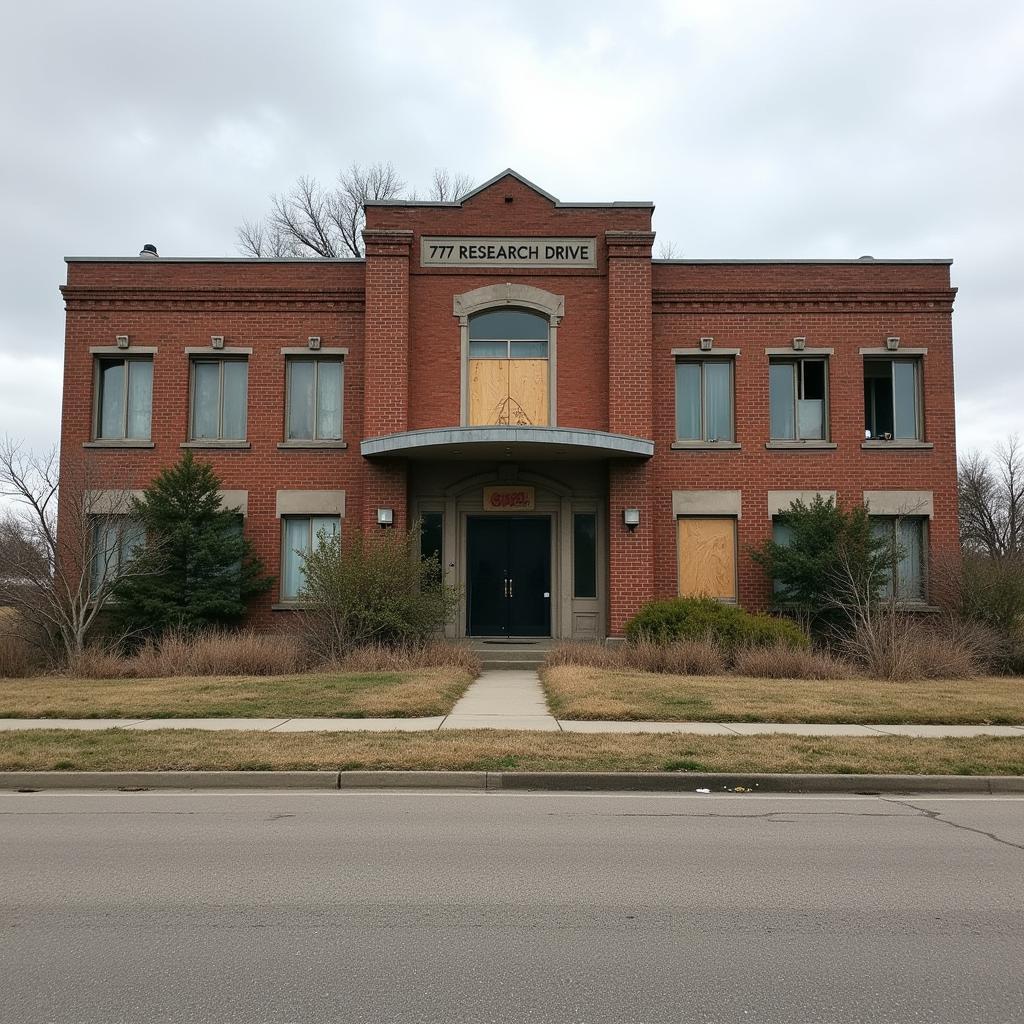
<point x="547" y="782"/>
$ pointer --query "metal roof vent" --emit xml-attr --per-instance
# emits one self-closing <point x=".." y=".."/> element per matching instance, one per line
<point x="149" y="252"/>
<point x="869" y="259"/>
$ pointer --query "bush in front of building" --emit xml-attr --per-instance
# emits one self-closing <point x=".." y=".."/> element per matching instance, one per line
<point x="196" y="570"/>
<point x="372" y="589"/>
<point x="698" y="618"/>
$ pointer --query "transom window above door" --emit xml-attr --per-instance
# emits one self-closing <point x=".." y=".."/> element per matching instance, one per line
<point x="508" y="372"/>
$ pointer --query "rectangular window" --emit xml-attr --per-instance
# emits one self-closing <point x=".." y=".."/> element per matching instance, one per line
<point x="314" y="399"/>
<point x="707" y="557"/>
<point x="906" y="535"/>
<point x="124" y="398"/>
<point x="302" y="534"/>
<point x="431" y="537"/>
<point x="219" y="398"/>
<point x="782" y="534"/>
<point x="797" y="391"/>
<point x="704" y="400"/>
<point x="584" y="554"/>
<point x="115" y="540"/>
<point x="892" y="399"/>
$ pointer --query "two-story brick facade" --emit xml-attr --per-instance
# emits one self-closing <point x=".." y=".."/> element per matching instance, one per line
<point x="579" y="427"/>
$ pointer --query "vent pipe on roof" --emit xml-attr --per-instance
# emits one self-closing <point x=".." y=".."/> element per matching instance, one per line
<point x="149" y="252"/>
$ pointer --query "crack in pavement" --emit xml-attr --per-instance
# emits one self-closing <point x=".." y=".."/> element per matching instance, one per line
<point x="937" y="817"/>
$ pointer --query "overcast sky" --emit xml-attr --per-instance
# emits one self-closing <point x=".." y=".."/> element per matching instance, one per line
<point x="767" y="129"/>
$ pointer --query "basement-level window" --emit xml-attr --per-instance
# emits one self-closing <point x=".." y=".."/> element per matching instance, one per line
<point x="707" y="557"/>
<point x="892" y="399"/>
<point x="115" y="541"/>
<point x="302" y="534"/>
<point x="906" y="537"/>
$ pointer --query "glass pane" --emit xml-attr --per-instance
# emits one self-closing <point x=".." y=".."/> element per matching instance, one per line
<point x="718" y="399"/>
<point x="140" y="398"/>
<point x="904" y="389"/>
<point x="509" y="323"/>
<point x="105" y="551"/>
<point x="688" y="401"/>
<point x="236" y="386"/>
<point x="300" y="399"/>
<point x="811" y="419"/>
<point x="813" y="378"/>
<point x="296" y="542"/>
<point x="323" y="528"/>
<point x="112" y="399"/>
<point x="529" y="349"/>
<point x="878" y="397"/>
<point x="133" y="538"/>
<point x="431" y="533"/>
<point x="782" y="534"/>
<point x="328" y="400"/>
<point x="883" y="530"/>
<point x="910" y="577"/>
<point x="488" y="349"/>
<point x="584" y="555"/>
<point x="206" y="400"/>
<point x="781" y="397"/>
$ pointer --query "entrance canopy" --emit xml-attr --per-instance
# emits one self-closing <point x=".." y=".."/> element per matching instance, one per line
<point x="548" y="443"/>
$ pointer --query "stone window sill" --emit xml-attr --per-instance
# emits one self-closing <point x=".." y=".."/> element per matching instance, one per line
<point x="903" y="445"/>
<point x="705" y="446"/>
<point x="124" y="443"/>
<point x="801" y="446"/>
<point x="215" y="444"/>
<point x="312" y="444"/>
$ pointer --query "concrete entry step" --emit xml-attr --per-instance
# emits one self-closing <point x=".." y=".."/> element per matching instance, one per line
<point x="511" y="652"/>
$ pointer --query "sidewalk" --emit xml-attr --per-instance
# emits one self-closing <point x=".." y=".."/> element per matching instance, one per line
<point x="506" y="699"/>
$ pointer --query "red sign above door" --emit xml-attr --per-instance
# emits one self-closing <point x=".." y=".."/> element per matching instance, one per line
<point x="508" y="498"/>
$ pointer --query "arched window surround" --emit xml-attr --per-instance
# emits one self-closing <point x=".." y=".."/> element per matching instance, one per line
<point x="500" y="296"/>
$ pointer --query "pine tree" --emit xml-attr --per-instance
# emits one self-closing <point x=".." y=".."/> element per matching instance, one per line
<point x="199" y="570"/>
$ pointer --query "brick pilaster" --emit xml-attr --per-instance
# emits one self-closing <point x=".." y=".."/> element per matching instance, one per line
<point x="630" y="411"/>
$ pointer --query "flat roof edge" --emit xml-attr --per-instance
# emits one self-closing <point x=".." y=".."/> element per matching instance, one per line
<point x="847" y="262"/>
<point x="214" y="259"/>
<point x="619" y="204"/>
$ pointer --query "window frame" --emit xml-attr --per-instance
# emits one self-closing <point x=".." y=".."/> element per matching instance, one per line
<point x="285" y="551"/>
<point x="798" y="364"/>
<point x="220" y="360"/>
<point x="103" y="520"/>
<point x="730" y="361"/>
<point x="315" y="358"/>
<point x="917" y="363"/>
<point x="892" y="523"/>
<point x="734" y="600"/>
<point x="97" y="397"/>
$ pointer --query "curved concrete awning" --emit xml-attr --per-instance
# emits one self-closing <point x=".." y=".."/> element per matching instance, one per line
<point x="507" y="443"/>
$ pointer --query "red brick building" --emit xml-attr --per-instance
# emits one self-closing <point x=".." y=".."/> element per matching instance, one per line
<point x="580" y="427"/>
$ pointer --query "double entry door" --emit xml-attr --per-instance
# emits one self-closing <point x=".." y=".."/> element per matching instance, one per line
<point x="508" y="576"/>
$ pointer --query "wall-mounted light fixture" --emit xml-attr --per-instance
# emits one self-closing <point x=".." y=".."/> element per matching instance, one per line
<point x="122" y="341"/>
<point x="385" y="517"/>
<point x="892" y="343"/>
<point x="799" y="344"/>
<point x="706" y="343"/>
<point x="216" y="341"/>
<point x="631" y="517"/>
<point x="314" y="342"/>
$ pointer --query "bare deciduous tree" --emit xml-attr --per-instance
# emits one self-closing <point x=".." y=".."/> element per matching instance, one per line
<point x="314" y="220"/>
<point x="57" y="581"/>
<point x="668" y="251"/>
<point x="991" y="491"/>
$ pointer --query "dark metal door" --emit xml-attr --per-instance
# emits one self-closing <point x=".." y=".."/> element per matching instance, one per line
<point x="509" y="576"/>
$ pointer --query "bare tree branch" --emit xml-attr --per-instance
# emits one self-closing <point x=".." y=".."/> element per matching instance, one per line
<point x="311" y="220"/>
<point x="991" y="494"/>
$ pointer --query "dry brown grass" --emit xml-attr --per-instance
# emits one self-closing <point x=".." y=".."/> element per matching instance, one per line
<point x="410" y="694"/>
<point x="17" y="656"/>
<point x="440" y="654"/>
<point x="587" y="693"/>
<point x="684" y="657"/>
<point x="121" y="750"/>
<point x="783" y="662"/>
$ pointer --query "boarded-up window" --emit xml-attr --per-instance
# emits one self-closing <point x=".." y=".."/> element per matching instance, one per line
<point x="707" y="558"/>
<point x="508" y="369"/>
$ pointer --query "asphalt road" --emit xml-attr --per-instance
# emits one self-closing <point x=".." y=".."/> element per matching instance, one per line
<point x="366" y="907"/>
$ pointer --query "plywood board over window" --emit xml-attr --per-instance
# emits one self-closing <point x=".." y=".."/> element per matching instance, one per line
<point x="508" y="392"/>
<point x="707" y="558"/>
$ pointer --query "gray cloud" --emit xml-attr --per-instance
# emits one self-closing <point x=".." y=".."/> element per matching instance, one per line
<point x="789" y="130"/>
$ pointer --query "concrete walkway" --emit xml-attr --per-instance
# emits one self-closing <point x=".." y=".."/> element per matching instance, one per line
<point x="508" y="699"/>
